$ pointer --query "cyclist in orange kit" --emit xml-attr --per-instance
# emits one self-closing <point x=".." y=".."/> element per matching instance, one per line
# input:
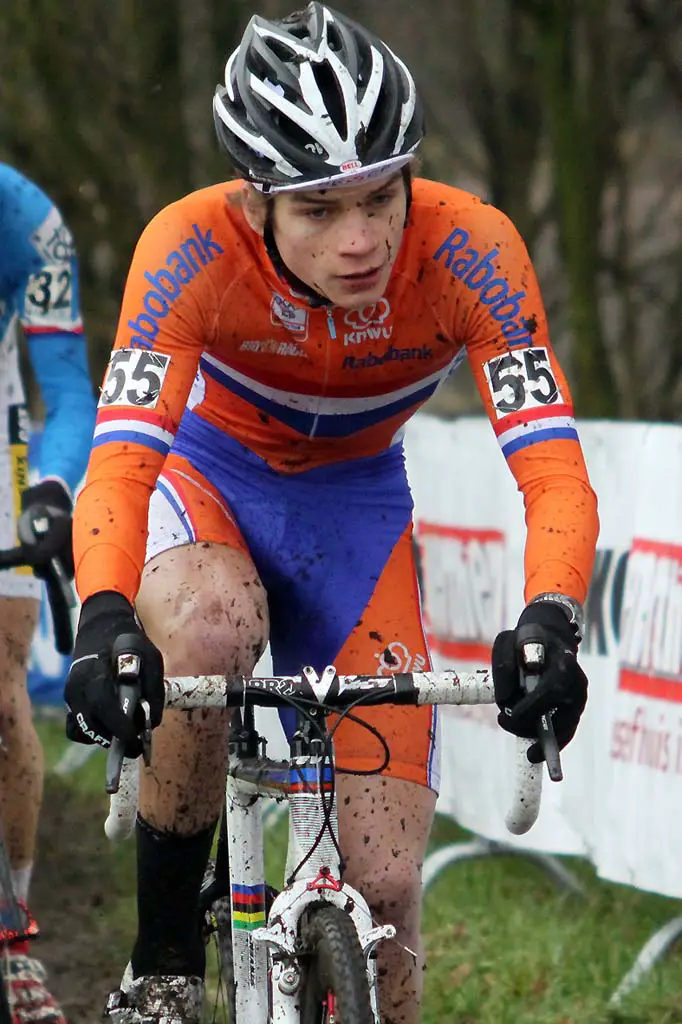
<point x="247" y="480"/>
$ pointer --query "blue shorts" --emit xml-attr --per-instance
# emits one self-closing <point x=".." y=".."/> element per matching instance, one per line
<point x="333" y="549"/>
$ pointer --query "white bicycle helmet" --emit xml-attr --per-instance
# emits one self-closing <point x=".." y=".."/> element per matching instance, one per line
<point x="315" y="100"/>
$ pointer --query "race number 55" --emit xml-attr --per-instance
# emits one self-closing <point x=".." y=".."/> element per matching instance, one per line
<point x="134" y="377"/>
<point x="521" y="380"/>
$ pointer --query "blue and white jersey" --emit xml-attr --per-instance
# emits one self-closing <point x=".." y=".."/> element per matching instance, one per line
<point x="39" y="291"/>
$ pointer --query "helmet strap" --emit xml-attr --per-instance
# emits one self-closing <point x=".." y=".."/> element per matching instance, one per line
<point x="406" y="172"/>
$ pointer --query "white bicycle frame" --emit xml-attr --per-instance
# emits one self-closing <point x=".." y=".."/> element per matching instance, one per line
<point x="265" y="951"/>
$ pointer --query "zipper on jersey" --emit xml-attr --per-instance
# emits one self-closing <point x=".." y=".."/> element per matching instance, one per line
<point x="331" y="329"/>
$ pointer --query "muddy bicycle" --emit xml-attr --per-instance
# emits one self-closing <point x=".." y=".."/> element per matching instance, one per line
<point x="306" y="954"/>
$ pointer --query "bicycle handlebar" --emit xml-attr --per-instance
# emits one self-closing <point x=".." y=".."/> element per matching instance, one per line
<point x="60" y="595"/>
<point x="332" y="690"/>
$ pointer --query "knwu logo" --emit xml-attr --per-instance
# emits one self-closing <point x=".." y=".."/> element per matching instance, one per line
<point x="396" y="657"/>
<point x="478" y="272"/>
<point x="181" y="266"/>
<point x="367" y="323"/>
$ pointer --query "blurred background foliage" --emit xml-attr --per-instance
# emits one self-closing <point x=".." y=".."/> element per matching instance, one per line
<point x="567" y="114"/>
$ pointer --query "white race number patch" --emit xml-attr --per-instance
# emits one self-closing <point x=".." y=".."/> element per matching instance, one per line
<point x="134" y="377"/>
<point x="522" y="380"/>
<point x="49" y="297"/>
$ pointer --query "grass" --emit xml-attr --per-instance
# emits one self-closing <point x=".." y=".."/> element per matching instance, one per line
<point x="503" y="944"/>
<point x="89" y="868"/>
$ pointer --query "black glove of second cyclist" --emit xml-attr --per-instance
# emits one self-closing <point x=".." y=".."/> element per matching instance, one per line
<point x="562" y="687"/>
<point x="45" y="526"/>
<point x="91" y="693"/>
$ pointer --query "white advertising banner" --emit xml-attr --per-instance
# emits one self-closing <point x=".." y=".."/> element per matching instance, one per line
<point x="623" y="771"/>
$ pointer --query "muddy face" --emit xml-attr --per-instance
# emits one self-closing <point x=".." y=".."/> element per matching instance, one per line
<point x="341" y="242"/>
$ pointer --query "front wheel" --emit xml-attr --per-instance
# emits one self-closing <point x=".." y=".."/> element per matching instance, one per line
<point x="334" y="987"/>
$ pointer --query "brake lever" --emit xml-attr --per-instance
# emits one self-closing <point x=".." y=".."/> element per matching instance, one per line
<point x="60" y="591"/>
<point x="128" y="666"/>
<point x="40" y="526"/>
<point x="146" y="734"/>
<point x="532" y="664"/>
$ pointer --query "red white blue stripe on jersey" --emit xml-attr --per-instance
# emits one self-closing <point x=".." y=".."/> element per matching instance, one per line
<point x="174" y="499"/>
<point x="317" y="416"/>
<point x="137" y="426"/>
<point x="520" y="430"/>
<point x="76" y="327"/>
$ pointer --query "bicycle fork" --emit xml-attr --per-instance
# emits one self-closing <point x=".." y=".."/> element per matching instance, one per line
<point x="266" y="958"/>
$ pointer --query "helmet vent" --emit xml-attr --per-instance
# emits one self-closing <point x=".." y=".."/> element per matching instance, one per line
<point x="335" y="39"/>
<point x="296" y="24"/>
<point x="328" y="84"/>
<point x="284" y="52"/>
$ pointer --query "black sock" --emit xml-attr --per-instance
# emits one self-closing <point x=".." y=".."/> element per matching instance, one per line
<point x="170" y="870"/>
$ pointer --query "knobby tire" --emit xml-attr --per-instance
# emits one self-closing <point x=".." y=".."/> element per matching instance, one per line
<point x="333" y="962"/>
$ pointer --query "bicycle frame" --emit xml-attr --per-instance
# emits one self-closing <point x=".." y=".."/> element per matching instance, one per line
<point x="265" y="953"/>
<point x="266" y="965"/>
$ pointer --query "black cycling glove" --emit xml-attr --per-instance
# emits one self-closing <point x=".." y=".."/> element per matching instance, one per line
<point x="45" y="526"/>
<point x="562" y="687"/>
<point x="91" y="692"/>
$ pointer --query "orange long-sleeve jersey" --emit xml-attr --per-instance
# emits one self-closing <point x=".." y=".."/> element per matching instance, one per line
<point x="206" y="324"/>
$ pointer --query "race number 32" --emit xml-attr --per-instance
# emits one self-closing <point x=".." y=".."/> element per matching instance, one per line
<point x="134" y="377"/>
<point x="521" y="380"/>
<point x="49" y="297"/>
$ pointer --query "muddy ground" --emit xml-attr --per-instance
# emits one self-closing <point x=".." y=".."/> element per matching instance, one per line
<point x="83" y="900"/>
